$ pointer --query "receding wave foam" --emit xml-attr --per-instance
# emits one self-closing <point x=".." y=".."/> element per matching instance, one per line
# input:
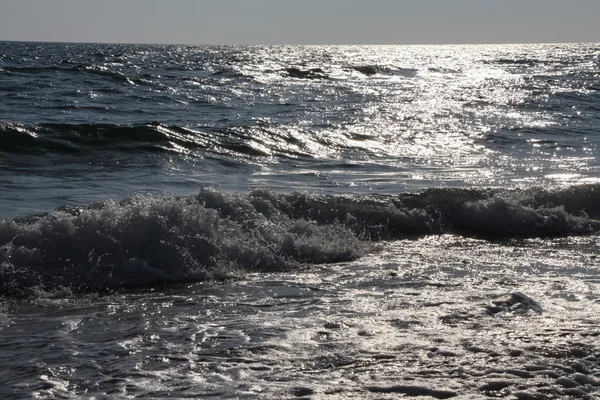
<point x="147" y="240"/>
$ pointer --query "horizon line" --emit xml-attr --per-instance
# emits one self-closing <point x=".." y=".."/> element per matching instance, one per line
<point x="296" y="44"/>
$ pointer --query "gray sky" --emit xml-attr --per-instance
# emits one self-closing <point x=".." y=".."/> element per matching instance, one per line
<point x="301" y="21"/>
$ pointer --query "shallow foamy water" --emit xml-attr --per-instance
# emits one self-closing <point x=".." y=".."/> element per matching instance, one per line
<point x="441" y="316"/>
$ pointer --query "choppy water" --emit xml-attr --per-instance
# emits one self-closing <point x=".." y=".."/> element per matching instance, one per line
<point x="296" y="221"/>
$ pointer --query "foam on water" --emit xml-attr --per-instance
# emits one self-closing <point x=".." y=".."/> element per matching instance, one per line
<point x="439" y="316"/>
<point x="148" y="240"/>
<point x="385" y="221"/>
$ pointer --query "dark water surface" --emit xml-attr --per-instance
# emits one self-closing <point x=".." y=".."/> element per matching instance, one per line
<point x="299" y="221"/>
<point x="84" y="122"/>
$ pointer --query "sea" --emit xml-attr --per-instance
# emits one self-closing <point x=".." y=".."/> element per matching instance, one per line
<point x="315" y="222"/>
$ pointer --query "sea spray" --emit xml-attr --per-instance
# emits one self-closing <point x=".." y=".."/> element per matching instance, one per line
<point x="146" y="240"/>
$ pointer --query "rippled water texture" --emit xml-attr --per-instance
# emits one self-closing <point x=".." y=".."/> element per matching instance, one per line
<point x="323" y="222"/>
<point x="87" y="121"/>
<point x="441" y="317"/>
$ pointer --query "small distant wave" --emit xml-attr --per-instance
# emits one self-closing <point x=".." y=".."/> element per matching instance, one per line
<point x="34" y="70"/>
<point x="531" y="62"/>
<point x="148" y="240"/>
<point x="443" y="70"/>
<point x="368" y="70"/>
<point x="371" y="70"/>
<point x="522" y="61"/>
<point x="528" y="62"/>
<point x="313" y="73"/>
<point x="249" y="143"/>
<point x="74" y="70"/>
<point x="145" y="138"/>
<point x="228" y="73"/>
<point x="72" y="138"/>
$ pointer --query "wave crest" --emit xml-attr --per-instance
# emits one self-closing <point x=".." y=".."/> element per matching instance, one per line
<point x="148" y="240"/>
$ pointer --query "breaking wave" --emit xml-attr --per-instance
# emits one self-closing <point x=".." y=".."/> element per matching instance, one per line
<point x="147" y="240"/>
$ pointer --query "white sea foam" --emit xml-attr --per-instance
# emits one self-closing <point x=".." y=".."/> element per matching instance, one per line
<point x="147" y="240"/>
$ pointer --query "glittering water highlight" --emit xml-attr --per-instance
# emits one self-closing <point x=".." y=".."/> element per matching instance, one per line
<point x="299" y="221"/>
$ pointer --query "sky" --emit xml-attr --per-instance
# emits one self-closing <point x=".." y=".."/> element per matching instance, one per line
<point x="301" y="21"/>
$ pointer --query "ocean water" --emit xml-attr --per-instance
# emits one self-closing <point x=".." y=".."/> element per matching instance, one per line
<point x="324" y="222"/>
